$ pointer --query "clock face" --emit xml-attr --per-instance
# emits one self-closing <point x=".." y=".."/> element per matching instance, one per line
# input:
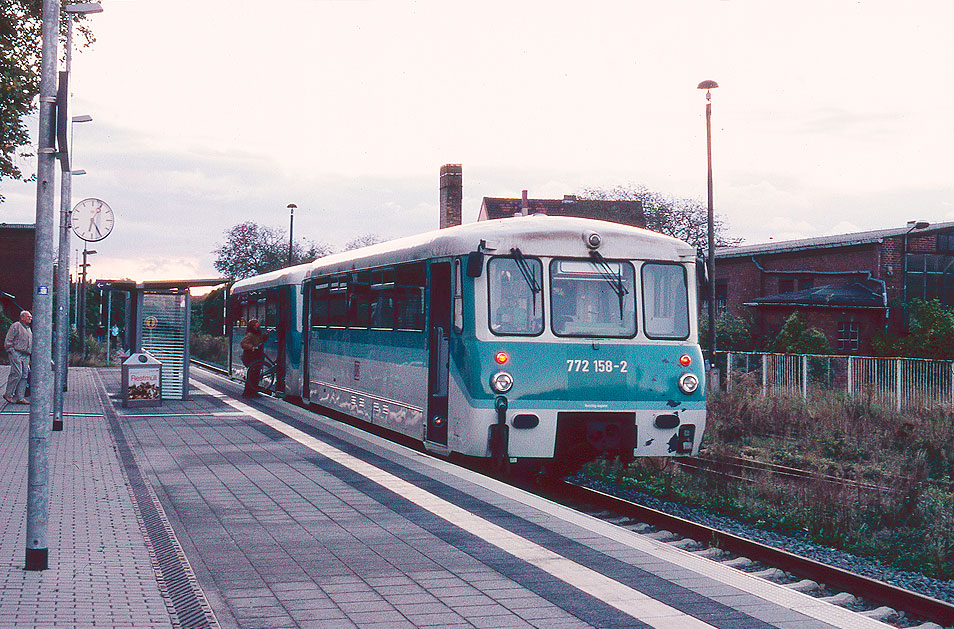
<point x="92" y="220"/>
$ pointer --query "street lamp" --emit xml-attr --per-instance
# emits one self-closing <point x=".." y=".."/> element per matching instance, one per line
<point x="707" y="86"/>
<point x="81" y="305"/>
<point x="61" y="349"/>
<point x="291" y="227"/>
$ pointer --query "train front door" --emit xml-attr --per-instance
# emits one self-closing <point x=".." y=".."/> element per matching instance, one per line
<point x="439" y="322"/>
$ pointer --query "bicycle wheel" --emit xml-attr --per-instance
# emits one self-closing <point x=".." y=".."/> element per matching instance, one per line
<point x="268" y="380"/>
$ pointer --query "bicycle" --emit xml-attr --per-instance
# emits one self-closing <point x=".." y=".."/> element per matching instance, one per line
<point x="268" y="376"/>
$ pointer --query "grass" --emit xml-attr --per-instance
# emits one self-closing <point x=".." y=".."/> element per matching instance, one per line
<point x="907" y="523"/>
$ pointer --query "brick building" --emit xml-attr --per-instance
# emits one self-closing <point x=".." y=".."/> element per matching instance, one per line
<point x="451" y="195"/>
<point x="848" y="285"/>
<point x="16" y="267"/>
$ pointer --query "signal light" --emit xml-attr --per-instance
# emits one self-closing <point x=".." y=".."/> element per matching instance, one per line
<point x="501" y="358"/>
<point x="685" y="360"/>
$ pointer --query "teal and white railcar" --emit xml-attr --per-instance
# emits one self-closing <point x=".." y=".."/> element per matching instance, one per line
<point x="275" y="299"/>
<point x="540" y="340"/>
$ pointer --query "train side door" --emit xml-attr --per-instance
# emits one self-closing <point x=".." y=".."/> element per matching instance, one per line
<point x="439" y="322"/>
<point x="276" y="320"/>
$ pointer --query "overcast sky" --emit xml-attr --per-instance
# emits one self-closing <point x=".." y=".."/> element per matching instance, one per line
<point x="832" y="116"/>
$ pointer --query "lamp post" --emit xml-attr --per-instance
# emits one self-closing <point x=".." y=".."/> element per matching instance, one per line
<point x="707" y="86"/>
<point x="61" y="349"/>
<point x="291" y="230"/>
<point x="81" y="304"/>
<point x="61" y="345"/>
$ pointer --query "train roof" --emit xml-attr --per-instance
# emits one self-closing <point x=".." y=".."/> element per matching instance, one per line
<point x="535" y="235"/>
<point x="290" y="275"/>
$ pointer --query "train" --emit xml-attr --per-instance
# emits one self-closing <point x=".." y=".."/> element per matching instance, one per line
<point x="534" y="342"/>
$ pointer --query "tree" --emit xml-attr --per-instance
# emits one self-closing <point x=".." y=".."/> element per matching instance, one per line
<point x="362" y="241"/>
<point x="796" y="337"/>
<point x="685" y="219"/>
<point x="251" y="249"/>
<point x="21" y="23"/>
<point x="930" y="330"/>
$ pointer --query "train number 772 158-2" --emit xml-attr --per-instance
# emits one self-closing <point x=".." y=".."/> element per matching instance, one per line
<point x="599" y="366"/>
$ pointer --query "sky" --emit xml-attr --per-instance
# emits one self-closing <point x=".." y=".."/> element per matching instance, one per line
<point x="831" y="116"/>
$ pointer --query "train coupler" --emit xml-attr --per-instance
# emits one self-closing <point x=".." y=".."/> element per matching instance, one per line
<point x="500" y="436"/>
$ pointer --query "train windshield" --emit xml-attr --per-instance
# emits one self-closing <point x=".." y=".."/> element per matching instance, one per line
<point x="516" y="295"/>
<point x="592" y="298"/>
<point x="665" y="301"/>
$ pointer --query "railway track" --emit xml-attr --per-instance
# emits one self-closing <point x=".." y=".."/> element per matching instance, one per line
<point x="889" y="601"/>
<point x="741" y="469"/>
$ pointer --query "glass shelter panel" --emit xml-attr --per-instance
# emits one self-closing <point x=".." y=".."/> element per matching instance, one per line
<point x="592" y="298"/>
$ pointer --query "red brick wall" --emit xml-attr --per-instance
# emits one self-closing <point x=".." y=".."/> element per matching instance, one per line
<point x="832" y="265"/>
<point x="16" y="267"/>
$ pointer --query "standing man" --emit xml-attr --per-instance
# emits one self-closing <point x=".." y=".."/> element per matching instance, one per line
<point x="19" y="344"/>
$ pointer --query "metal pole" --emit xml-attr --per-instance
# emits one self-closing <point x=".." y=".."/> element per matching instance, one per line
<point x="109" y="319"/>
<point x="61" y="346"/>
<point x="711" y="224"/>
<point x="81" y="305"/>
<point x="38" y="483"/>
<point x="291" y="230"/>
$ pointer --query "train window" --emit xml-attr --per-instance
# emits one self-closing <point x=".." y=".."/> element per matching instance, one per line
<point x="359" y="301"/>
<point x="665" y="301"/>
<point x="515" y="295"/>
<point x="409" y="308"/>
<point x="338" y="301"/>
<point x="319" y="303"/>
<point x="382" y="308"/>
<point x="458" y="299"/>
<point x="592" y="298"/>
<point x="271" y="313"/>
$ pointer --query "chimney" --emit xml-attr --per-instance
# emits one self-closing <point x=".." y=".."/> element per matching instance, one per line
<point x="524" y="204"/>
<point x="452" y="194"/>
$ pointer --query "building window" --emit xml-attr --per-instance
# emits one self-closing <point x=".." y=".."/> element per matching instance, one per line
<point x="847" y="337"/>
<point x="786" y="285"/>
<point x="945" y="243"/>
<point x="929" y="276"/>
<point x="805" y="283"/>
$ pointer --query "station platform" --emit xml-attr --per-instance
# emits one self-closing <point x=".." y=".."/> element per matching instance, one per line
<point x="224" y="512"/>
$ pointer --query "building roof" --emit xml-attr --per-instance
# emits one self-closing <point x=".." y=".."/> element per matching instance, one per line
<point x="826" y="242"/>
<point x="625" y="212"/>
<point x="855" y="295"/>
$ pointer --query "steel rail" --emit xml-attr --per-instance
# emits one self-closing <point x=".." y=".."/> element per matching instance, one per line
<point x="912" y="603"/>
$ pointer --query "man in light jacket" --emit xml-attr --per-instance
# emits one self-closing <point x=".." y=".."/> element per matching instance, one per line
<point x="18" y="344"/>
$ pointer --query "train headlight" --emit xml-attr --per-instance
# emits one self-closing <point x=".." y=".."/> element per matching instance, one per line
<point x="501" y="382"/>
<point x="592" y="240"/>
<point x="688" y="383"/>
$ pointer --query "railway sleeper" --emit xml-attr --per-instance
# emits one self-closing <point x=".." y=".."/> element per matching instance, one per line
<point x="805" y="586"/>
<point x="740" y="563"/>
<point x="716" y="554"/>
<point x="686" y="543"/>
<point x="662" y="535"/>
<point x="883" y="613"/>
<point x="842" y="599"/>
<point x="772" y="574"/>
<point x="638" y="527"/>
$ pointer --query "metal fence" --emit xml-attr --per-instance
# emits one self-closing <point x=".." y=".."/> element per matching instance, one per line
<point x="902" y="383"/>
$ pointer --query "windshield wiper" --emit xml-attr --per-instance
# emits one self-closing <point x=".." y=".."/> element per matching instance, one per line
<point x="528" y="275"/>
<point x="614" y="279"/>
